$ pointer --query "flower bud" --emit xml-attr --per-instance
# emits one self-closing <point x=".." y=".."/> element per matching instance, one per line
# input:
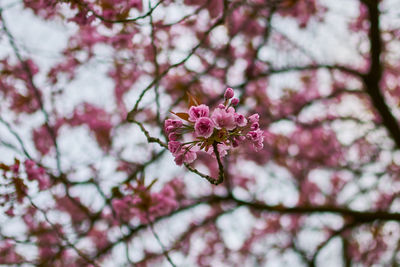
<point x="228" y="93"/>
<point x="234" y="101"/>
<point x="173" y="136"/>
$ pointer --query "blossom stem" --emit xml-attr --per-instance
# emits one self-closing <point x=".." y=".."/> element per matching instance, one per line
<point x="221" y="172"/>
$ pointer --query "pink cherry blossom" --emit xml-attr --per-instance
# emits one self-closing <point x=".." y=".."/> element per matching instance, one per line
<point x="222" y="149"/>
<point x="204" y="127"/>
<point x="254" y="118"/>
<point x="185" y="156"/>
<point x="257" y="137"/>
<point x="225" y="129"/>
<point x="174" y="146"/>
<point x="254" y="126"/>
<point x="199" y="111"/>
<point x="224" y="118"/>
<point x="240" y="120"/>
<point x="171" y="125"/>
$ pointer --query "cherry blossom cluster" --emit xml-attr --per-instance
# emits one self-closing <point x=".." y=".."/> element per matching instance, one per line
<point x="33" y="171"/>
<point x="97" y="120"/>
<point x="140" y="202"/>
<point x="36" y="173"/>
<point x="15" y="187"/>
<point x="223" y="128"/>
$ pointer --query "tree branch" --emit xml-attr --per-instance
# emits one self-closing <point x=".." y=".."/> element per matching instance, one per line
<point x="373" y="77"/>
<point x="356" y="216"/>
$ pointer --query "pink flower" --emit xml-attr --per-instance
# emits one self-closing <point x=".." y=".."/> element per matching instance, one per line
<point x="257" y="137"/>
<point x="254" y="126"/>
<point x="240" y="120"/>
<point x="196" y="112"/>
<point x="185" y="156"/>
<point x="232" y="129"/>
<point x="228" y="93"/>
<point x="254" y="118"/>
<point x="222" y="149"/>
<point x="224" y="118"/>
<point x="174" y="146"/>
<point x="204" y="127"/>
<point x="171" y="125"/>
<point x="237" y="140"/>
<point x="258" y="146"/>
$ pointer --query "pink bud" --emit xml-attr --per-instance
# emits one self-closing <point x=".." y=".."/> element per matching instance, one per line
<point x="229" y="93"/>
<point x="172" y="125"/>
<point x="174" y="146"/>
<point x="254" y="126"/>
<point x="234" y="101"/>
<point x="240" y="120"/>
<point x="221" y="106"/>
<point x="173" y="136"/>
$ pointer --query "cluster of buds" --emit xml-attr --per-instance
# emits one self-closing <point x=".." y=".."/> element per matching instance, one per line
<point x="223" y="128"/>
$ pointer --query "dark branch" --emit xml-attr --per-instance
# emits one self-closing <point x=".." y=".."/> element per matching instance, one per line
<point x="373" y="77"/>
<point x="356" y="216"/>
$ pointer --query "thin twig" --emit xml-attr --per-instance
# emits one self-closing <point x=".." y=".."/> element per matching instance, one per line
<point x="35" y="89"/>
<point x="164" y="250"/>
<point x="131" y="20"/>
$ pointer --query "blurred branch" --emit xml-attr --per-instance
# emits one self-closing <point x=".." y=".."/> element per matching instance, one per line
<point x="189" y="232"/>
<point x="345" y="251"/>
<point x="332" y="236"/>
<point x="131" y="20"/>
<point x="61" y="235"/>
<point x="356" y="216"/>
<point x="164" y="250"/>
<point x="16" y="135"/>
<point x="132" y="113"/>
<point x="135" y="230"/>
<point x="312" y="67"/>
<point x="34" y="87"/>
<point x="373" y="77"/>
